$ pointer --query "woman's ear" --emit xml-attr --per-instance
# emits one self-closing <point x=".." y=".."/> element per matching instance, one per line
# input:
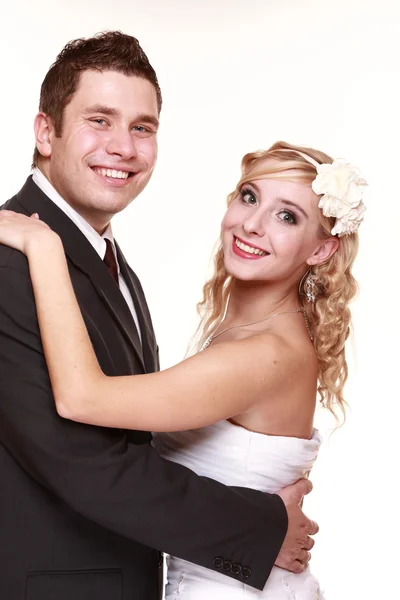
<point x="324" y="251"/>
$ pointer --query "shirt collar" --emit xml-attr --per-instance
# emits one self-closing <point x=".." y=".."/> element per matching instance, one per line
<point x="96" y="240"/>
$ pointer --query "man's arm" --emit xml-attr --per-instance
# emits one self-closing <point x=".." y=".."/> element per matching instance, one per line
<point x="126" y="488"/>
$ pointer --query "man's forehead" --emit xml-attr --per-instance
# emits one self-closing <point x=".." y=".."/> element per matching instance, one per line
<point x="112" y="93"/>
<point x="99" y="80"/>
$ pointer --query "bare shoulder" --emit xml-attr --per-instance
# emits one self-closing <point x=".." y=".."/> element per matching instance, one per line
<point x="286" y="348"/>
<point x="290" y="355"/>
<point x="269" y="355"/>
<point x="286" y="399"/>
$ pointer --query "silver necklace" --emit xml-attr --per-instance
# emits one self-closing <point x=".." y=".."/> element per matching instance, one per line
<point x="283" y="312"/>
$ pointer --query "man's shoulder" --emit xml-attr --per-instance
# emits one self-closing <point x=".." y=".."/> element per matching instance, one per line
<point x="12" y="204"/>
<point x="11" y="259"/>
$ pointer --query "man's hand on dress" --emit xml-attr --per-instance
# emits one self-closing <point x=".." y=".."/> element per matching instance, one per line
<point x="295" y="551"/>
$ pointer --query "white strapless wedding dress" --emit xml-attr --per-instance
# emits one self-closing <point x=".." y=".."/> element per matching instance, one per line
<point x="238" y="457"/>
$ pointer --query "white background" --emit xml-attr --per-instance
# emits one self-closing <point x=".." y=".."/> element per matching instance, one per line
<point x="237" y="76"/>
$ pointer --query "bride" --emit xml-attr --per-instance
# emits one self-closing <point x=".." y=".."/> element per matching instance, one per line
<point x="275" y="321"/>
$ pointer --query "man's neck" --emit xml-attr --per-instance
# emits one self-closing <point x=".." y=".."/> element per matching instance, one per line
<point x="50" y="188"/>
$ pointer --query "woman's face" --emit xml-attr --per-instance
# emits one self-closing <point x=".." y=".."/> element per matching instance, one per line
<point x="271" y="231"/>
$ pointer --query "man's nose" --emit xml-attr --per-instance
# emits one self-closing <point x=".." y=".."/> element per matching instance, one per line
<point x="122" y="143"/>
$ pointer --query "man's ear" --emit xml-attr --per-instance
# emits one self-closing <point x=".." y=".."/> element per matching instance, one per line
<point x="44" y="129"/>
<point x="324" y="251"/>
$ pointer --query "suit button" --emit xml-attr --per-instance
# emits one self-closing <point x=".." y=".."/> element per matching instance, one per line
<point x="246" y="572"/>
<point x="218" y="562"/>
<point x="227" y="566"/>
<point x="236" y="569"/>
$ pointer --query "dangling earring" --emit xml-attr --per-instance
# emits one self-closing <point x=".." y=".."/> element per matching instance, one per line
<point x="309" y="285"/>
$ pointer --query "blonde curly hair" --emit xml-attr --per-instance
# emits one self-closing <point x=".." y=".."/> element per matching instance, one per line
<point x="329" y="317"/>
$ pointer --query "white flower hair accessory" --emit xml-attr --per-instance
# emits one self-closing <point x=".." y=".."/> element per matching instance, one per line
<point x="342" y="190"/>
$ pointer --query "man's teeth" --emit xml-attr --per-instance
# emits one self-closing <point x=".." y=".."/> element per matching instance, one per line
<point x="113" y="173"/>
<point x="249" y="249"/>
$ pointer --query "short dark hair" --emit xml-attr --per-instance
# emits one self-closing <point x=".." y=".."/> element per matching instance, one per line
<point x="108" y="51"/>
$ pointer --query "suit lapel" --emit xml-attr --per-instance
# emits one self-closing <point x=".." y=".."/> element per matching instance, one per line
<point x="142" y="311"/>
<point x="82" y="254"/>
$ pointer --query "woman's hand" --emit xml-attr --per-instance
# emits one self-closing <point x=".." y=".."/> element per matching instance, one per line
<point x="20" y="231"/>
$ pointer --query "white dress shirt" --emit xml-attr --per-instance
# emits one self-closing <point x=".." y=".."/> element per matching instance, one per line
<point x="96" y="240"/>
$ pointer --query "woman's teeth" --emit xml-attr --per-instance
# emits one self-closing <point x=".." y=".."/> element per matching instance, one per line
<point x="249" y="249"/>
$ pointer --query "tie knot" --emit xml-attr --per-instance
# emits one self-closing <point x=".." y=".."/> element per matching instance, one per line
<point x="110" y="261"/>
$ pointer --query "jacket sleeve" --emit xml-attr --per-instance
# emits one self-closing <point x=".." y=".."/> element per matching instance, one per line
<point x="123" y="487"/>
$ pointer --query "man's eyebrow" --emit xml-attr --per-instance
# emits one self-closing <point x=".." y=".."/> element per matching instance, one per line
<point x="103" y="109"/>
<point x="114" y="112"/>
<point x="145" y="118"/>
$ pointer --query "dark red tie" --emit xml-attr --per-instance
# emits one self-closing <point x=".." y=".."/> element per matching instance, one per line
<point x="110" y="262"/>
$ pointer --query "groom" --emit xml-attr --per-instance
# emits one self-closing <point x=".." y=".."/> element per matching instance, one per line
<point x="83" y="509"/>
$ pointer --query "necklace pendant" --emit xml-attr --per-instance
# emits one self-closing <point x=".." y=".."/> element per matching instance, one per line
<point x="207" y="342"/>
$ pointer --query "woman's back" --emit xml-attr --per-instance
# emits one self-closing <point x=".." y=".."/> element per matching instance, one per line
<point x="289" y="410"/>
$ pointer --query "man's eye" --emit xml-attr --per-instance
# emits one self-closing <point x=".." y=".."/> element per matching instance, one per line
<point x="143" y="131"/>
<point x="99" y="121"/>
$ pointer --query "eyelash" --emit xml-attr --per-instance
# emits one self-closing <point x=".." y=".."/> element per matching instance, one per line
<point x="246" y="192"/>
<point x="100" y="121"/>
<point x="292" y="215"/>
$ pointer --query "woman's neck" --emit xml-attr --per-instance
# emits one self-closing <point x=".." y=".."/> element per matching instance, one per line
<point x="250" y="301"/>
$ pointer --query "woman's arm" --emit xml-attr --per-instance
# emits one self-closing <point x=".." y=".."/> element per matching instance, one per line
<point x="220" y="383"/>
<point x="217" y="384"/>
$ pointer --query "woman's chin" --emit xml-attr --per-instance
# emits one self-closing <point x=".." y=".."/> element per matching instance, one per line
<point x="244" y="277"/>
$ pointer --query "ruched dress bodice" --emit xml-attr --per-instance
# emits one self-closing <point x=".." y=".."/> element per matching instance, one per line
<point x="238" y="457"/>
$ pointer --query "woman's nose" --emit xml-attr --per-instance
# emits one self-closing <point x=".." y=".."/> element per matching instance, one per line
<point x="255" y="223"/>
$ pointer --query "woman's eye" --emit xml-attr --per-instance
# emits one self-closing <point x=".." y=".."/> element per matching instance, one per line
<point x="287" y="217"/>
<point x="248" y="197"/>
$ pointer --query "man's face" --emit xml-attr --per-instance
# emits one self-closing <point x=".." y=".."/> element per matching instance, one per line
<point x="108" y="147"/>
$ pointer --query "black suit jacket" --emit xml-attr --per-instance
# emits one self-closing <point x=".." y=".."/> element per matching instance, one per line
<point x="85" y="510"/>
